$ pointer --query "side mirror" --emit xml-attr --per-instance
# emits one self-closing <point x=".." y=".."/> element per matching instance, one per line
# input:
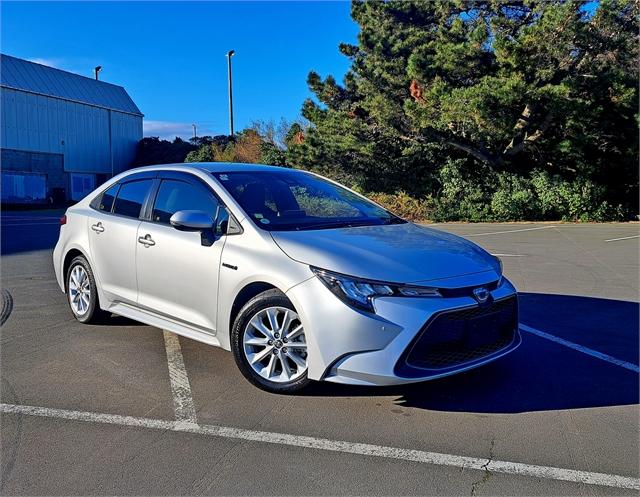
<point x="192" y="221"/>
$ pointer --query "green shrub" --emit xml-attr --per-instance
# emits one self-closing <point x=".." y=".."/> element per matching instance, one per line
<point x="514" y="199"/>
<point x="464" y="196"/>
<point x="486" y="195"/>
<point x="579" y="200"/>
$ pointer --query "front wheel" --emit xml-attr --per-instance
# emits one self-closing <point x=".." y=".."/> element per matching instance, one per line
<point x="269" y="344"/>
<point x="82" y="293"/>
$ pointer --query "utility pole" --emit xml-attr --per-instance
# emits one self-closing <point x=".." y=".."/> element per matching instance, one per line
<point x="96" y="70"/>
<point x="194" y="131"/>
<point x="230" y="54"/>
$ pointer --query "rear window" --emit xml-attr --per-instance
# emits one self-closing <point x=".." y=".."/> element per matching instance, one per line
<point x="131" y="197"/>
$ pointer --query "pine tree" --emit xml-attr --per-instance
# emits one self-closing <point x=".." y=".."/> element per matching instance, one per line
<point x="452" y="89"/>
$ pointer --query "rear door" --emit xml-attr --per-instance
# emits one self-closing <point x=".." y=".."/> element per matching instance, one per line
<point x="113" y="227"/>
<point x="177" y="270"/>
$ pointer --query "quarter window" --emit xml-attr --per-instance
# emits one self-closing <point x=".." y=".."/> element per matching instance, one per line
<point x="175" y="195"/>
<point x="131" y="197"/>
<point x="107" y="198"/>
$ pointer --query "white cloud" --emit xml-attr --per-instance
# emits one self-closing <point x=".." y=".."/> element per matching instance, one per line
<point x="168" y="130"/>
<point x="76" y="65"/>
<point x="57" y="63"/>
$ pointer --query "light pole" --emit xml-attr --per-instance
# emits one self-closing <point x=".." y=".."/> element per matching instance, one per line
<point x="194" y="131"/>
<point x="96" y="70"/>
<point x="230" y="54"/>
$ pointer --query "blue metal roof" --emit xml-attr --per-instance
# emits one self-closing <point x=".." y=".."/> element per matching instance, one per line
<point x="21" y="74"/>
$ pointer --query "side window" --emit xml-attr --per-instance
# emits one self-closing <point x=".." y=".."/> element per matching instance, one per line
<point x="176" y="195"/>
<point x="106" y="200"/>
<point x="131" y="197"/>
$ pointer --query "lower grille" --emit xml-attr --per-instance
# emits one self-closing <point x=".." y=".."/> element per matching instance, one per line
<point x="457" y="337"/>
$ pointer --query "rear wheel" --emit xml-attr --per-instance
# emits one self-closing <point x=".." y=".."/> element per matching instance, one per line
<point x="269" y="344"/>
<point x="82" y="293"/>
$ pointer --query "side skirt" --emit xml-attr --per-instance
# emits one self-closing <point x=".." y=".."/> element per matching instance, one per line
<point x="164" y="323"/>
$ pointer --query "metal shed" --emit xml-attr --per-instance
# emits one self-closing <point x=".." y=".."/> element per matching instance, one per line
<point x="62" y="134"/>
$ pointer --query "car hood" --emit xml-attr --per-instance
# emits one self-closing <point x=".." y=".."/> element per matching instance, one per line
<point x="400" y="253"/>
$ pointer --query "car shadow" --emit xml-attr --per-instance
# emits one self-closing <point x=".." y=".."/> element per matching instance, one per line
<point x="541" y="374"/>
<point x="115" y="320"/>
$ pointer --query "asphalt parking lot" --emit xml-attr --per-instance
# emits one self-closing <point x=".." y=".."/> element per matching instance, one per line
<point x="91" y="410"/>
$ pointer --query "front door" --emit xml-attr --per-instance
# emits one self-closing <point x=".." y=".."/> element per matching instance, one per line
<point x="177" y="273"/>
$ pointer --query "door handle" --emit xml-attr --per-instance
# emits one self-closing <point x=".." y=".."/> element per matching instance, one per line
<point x="146" y="240"/>
<point x="98" y="228"/>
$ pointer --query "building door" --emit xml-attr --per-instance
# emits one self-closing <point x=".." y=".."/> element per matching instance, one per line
<point x="81" y="185"/>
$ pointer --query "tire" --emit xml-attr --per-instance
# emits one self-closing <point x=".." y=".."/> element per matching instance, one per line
<point x="282" y="367"/>
<point x="86" y="307"/>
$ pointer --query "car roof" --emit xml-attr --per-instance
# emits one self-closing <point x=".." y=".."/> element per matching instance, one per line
<point x="213" y="167"/>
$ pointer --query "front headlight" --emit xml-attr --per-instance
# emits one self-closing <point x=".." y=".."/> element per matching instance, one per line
<point x="360" y="293"/>
<point x="501" y="270"/>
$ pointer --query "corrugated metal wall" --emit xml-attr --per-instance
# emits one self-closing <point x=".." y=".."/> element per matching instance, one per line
<point x="80" y="132"/>
<point x="126" y="132"/>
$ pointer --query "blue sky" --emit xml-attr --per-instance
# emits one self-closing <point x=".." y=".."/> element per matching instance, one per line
<point x="171" y="56"/>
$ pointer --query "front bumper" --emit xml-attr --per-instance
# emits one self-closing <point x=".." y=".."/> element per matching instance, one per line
<point x="353" y="347"/>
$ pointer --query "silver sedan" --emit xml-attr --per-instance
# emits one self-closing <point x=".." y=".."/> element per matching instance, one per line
<point x="301" y="278"/>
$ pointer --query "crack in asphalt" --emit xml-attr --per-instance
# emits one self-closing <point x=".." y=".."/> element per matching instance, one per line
<point x="487" y="474"/>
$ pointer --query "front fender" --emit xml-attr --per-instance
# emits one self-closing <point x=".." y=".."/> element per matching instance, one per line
<point x="274" y="268"/>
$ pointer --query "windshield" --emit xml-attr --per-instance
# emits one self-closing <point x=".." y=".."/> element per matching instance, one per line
<point x="291" y="200"/>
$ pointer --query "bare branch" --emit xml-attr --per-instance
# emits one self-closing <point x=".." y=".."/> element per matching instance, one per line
<point x="481" y="154"/>
<point x="520" y="129"/>
<point x="513" y="149"/>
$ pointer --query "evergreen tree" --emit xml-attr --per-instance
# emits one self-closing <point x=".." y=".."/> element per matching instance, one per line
<point x="491" y="93"/>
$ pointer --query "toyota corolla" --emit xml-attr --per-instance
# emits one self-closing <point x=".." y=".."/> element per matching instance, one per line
<point x="301" y="278"/>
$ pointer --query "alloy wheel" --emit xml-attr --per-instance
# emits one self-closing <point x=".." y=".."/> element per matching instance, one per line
<point x="79" y="290"/>
<point x="274" y="344"/>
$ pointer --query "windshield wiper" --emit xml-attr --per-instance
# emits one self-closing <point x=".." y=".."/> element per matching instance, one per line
<point x="342" y="224"/>
<point x="322" y="226"/>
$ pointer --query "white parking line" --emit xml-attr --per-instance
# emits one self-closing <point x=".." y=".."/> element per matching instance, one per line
<point x="580" y="348"/>
<point x="436" y="458"/>
<point x="510" y="231"/>
<point x="180" y="388"/>
<point x="623" y="238"/>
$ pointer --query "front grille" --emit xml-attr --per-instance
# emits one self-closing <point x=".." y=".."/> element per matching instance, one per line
<point x="453" y="338"/>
